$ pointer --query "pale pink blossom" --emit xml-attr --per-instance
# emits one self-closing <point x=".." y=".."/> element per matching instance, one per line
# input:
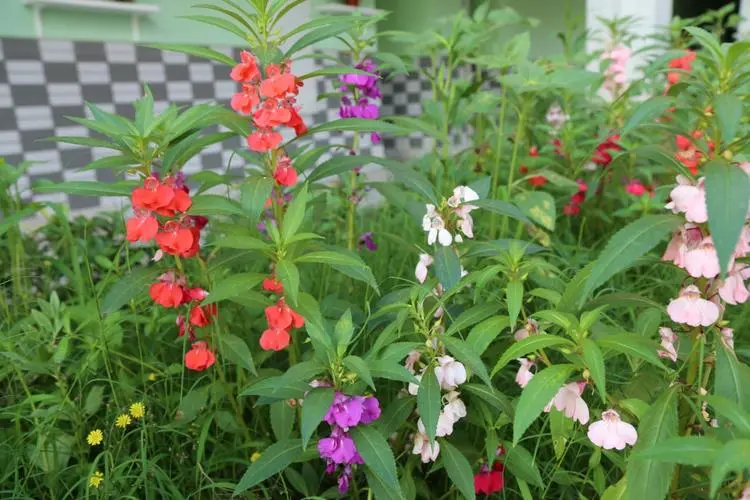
<point x="455" y="407"/>
<point x="745" y="493"/>
<point x="450" y="373"/>
<point x="611" y="432"/>
<point x="687" y="238"/>
<point x="425" y="261"/>
<point x="433" y="223"/>
<point x="524" y="374"/>
<point x="743" y="245"/>
<point x="462" y="194"/>
<point x="411" y="360"/>
<point x="422" y="446"/>
<point x="689" y="199"/>
<point x="530" y="328"/>
<point x="668" y="339"/>
<point x="691" y="309"/>
<point x="555" y="116"/>
<point x="465" y="221"/>
<point x="733" y="290"/>
<point x="569" y="401"/>
<point x="727" y="337"/>
<point x="702" y="261"/>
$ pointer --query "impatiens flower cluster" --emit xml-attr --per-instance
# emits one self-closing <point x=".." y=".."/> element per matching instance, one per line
<point x="678" y="66"/>
<point x="365" y="90"/>
<point x="447" y="223"/>
<point x="270" y="101"/>
<point x="602" y="155"/>
<point x="281" y="318"/>
<point x="450" y="375"/>
<point x="338" y="450"/>
<point x="615" y="75"/>
<point x="574" y="206"/>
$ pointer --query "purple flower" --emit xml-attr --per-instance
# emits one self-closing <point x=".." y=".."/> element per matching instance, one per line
<point x="371" y="405"/>
<point x="346" y="411"/>
<point x="375" y="138"/>
<point x="366" y="240"/>
<point x="338" y="448"/>
<point x="344" y="479"/>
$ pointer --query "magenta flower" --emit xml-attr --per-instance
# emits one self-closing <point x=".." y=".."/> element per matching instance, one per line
<point x="345" y="412"/>
<point x="366" y="240"/>
<point x="338" y="448"/>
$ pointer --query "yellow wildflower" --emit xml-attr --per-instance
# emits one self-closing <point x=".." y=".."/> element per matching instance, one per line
<point x="95" y="437"/>
<point x="123" y="421"/>
<point x="255" y="456"/>
<point x="96" y="479"/>
<point x="137" y="410"/>
<point x="152" y="377"/>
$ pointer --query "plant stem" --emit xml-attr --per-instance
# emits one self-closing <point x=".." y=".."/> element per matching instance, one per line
<point x="514" y="160"/>
<point x="498" y="156"/>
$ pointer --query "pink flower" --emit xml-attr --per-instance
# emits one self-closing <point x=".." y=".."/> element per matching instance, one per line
<point x="422" y="446"/>
<point x="425" y="261"/>
<point x="743" y="245"/>
<point x="688" y="237"/>
<point x="530" y="328"/>
<point x="569" y="401"/>
<point x="689" y="199"/>
<point x="727" y="337"/>
<point x="702" y="261"/>
<point x="455" y="408"/>
<point x="733" y="290"/>
<point x="668" y="339"/>
<point x="690" y="309"/>
<point x="524" y="374"/>
<point x="465" y="221"/>
<point x="411" y="359"/>
<point x="611" y="432"/>
<point x="636" y="188"/>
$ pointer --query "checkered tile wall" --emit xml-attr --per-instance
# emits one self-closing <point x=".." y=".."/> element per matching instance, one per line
<point x="43" y="81"/>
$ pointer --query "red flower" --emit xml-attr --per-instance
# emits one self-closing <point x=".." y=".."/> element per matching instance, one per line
<point x="534" y="151"/>
<point x="297" y="123"/>
<point x="559" y="150"/>
<point x="636" y="188"/>
<point x="489" y="481"/>
<point x="683" y="63"/>
<point x="270" y="114"/>
<point x="176" y="239"/>
<point x="264" y="140"/>
<point x="285" y="174"/>
<point x="275" y="339"/>
<point x="200" y="316"/>
<point x="538" y="180"/>
<point x="278" y="84"/>
<point x="687" y="153"/>
<point x="169" y="291"/>
<point x="273" y="285"/>
<point x="572" y="209"/>
<point x="199" y="357"/>
<point x="153" y="196"/>
<point x="142" y="227"/>
<point x="523" y="169"/>
<point x="601" y="155"/>
<point x="281" y="316"/>
<point x="247" y="70"/>
<point x="244" y="102"/>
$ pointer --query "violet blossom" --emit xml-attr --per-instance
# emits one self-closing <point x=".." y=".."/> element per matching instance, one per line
<point x="365" y="90"/>
<point x="367" y="240"/>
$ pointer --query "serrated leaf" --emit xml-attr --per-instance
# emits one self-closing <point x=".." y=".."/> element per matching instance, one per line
<point x="458" y="469"/>
<point x="253" y="195"/>
<point x="698" y="451"/>
<point x="465" y="355"/>
<point x="134" y="284"/>
<point x="733" y="457"/>
<point x="521" y="464"/>
<point x="594" y="360"/>
<point x="484" y="333"/>
<point x="233" y="286"/>
<point x="273" y="460"/>
<point x="395" y="415"/>
<point x="632" y="345"/>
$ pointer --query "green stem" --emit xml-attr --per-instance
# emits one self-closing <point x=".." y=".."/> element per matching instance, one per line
<point x="498" y="156"/>
<point x="514" y="160"/>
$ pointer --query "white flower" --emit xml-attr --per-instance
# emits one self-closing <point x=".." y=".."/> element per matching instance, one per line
<point x="414" y="388"/>
<point x="524" y="374"/>
<point x="465" y="194"/>
<point x="690" y="309"/>
<point x="465" y="221"/>
<point x="434" y="224"/>
<point x="425" y="261"/>
<point x="668" y="338"/>
<point x="611" y="432"/>
<point x="555" y="116"/>
<point x="455" y="409"/>
<point x="450" y="373"/>
<point x="569" y="401"/>
<point x="423" y="447"/>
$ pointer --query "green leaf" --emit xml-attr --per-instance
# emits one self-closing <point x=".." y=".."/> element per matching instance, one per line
<point x="233" y="286"/>
<point x="316" y="405"/>
<point x="94" y="400"/>
<point x="728" y="111"/>
<point x="465" y="355"/>
<point x="391" y="371"/>
<point x="632" y="345"/>
<point x="734" y="457"/>
<point x="728" y="379"/>
<point x="86" y="188"/>
<point x="273" y="460"/>
<point x="561" y="429"/>
<point x="458" y="469"/>
<point x="315" y="36"/>
<point x="334" y="70"/>
<point x="253" y="195"/>
<point x="136" y="283"/>
<point x="472" y="316"/>
<point x="242" y="242"/>
<point x="360" y="125"/>
<point x="358" y="366"/>
<point x="698" y="451"/>
<point x="376" y="454"/>
<point x="617" y="491"/>
<point x="502" y="208"/>
<point x="627" y="245"/>
<point x="338" y="165"/>
<point x="345" y="262"/>
<point x="539" y="206"/>
<point x="530" y="344"/>
<point x="594" y="360"/>
<point x="294" y="215"/>
<point x="428" y="402"/>
<point x="647" y="112"/>
<point x="277" y="388"/>
<point x="195" y="50"/>
<point x="491" y="396"/>
<point x="212" y="204"/>
<point x="727" y="198"/>
<point x="282" y="419"/>
<point x="514" y="298"/>
<point x="483" y="334"/>
<point x="343" y="331"/>
<point x="288" y="274"/>
<point x="650" y="478"/>
<point x="521" y="464"/>
<point x="536" y="395"/>
<point x="395" y="415"/>
<point x="732" y="411"/>
<point x="708" y="41"/>
<point x="379" y="488"/>
<point x="235" y="350"/>
<point x="447" y="267"/>
<point x="573" y="294"/>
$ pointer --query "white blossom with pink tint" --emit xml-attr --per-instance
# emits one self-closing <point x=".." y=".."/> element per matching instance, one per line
<point x="691" y="309"/>
<point x="745" y="494"/>
<point x="433" y="223"/>
<point x="689" y="199"/>
<point x="743" y="245"/>
<point x="612" y="433"/>
<point x="425" y="261"/>
<point x="530" y="328"/>
<point x="411" y="360"/>
<point x="668" y="339"/>
<point x="450" y="373"/>
<point x="569" y="401"/>
<point x="727" y="337"/>
<point x="702" y="261"/>
<point x="687" y="238"/>
<point x="524" y="374"/>
<point x="414" y="388"/>
<point x="455" y="407"/>
<point x="733" y="290"/>
<point x="429" y="452"/>
<point x="615" y="76"/>
<point x="555" y="117"/>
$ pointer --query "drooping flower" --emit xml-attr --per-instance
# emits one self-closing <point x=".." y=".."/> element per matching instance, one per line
<point x="691" y="309"/>
<point x="489" y="481"/>
<point x="702" y="261"/>
<point x="245" y="101"/>
<point x="524" y="374"/>
<point x="169" y="291"/>
<point x="264" y="140"/>
<point x="450" y="373"/>
<point x="339" y="447"/>
<point x="429" y="451"/>
<point x="687" y="237"/>
<point x="199" y="357"/>
<point x="455" y="408"/>
<point x="275" y="339"/>
<point x="425" y="260"/>
<point x="153" y="196"/>
<point x="611" y="432"/>
<point x="95" y="437"/>
<point x="285" y="174"/>
<point x="602" y="155"/>
<point x="247" y="70"/>
<point x="733" y="289"/>
<point x="370" y="410"/>
<point x="281" y="316"/>
<point x="569" y="401"/>
<point x="636" y="188"/>
<point x="273" y="285"/>
<point x="200" y="316"/>
<point x="366" y="240"/>
<point x="434" y="224"/>
<point x="345" y="412"/>
<point x="175" y="238"/>
<point x="668" y="339"/>
<point x="690" y="199"/>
